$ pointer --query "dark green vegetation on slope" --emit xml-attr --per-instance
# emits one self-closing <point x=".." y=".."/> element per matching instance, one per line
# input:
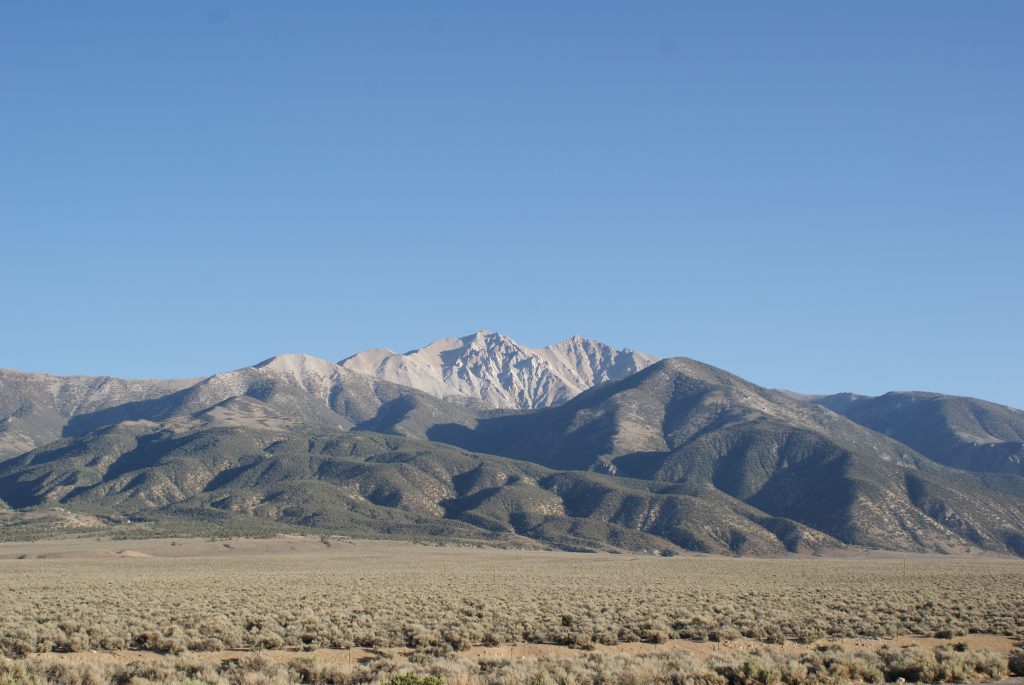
<point x="370" y="484"/>
<point x="678" y="456"/>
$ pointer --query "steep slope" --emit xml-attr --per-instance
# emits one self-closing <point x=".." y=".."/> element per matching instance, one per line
<point x="689" y="423"/>
<point x="366" y="483"/>
<point x="35" y="407"/>
<point x="961" y="432"/>
<point x="665" y="407"/>
<point x="489" y="370"/>
<point x="287" y="391"/>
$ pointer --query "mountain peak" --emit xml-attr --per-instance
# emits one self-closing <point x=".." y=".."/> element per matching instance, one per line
<point x="576" y="341"/>
<point x="491" y="370"/>
<point x="484" y="339"/>
<point x="298" y="365"/>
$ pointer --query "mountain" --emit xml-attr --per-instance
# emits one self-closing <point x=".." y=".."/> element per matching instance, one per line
<point x="683" y="422"/>
<point x="678" y="455"/>
<point x="643" y="425"/>
<point x="961" y="432"/>
<point x="371" y="389"/>
<point x="369" y="484"/>
<point x="491" y="371"/>
<point x="280" y="392"/>
<point x="286" y="392"/>
<point x="35" y="407"/>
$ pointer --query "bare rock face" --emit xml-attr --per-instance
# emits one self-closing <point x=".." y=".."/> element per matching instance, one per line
<point x="491" y="371"/>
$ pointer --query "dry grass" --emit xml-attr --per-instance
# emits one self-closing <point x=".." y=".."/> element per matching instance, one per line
<point x="442" y="606"/>
<point x="823" y="666"/>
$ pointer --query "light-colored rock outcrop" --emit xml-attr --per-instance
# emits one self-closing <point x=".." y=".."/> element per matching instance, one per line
<point x="491" y="370"/>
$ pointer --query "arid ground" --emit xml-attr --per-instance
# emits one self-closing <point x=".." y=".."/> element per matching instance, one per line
<point x="310" y="609"/>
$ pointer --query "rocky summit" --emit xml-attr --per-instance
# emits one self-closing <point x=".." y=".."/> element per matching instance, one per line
<point x="493" y="371"/>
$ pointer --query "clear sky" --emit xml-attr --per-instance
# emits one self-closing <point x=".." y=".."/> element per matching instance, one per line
<point x="814" y="195"/>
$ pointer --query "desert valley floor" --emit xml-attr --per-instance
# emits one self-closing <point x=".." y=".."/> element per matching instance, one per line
<point x="318" y="609"/>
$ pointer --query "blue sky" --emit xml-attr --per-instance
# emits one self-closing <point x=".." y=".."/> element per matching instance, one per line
<point x="819" y="196"/>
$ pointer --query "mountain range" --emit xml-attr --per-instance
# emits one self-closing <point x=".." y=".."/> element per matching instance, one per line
<point x="576" y="445"/>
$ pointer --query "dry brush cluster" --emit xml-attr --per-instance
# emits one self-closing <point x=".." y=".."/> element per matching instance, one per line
<point x="827" y="665"/>
<point x="437" y="601"/>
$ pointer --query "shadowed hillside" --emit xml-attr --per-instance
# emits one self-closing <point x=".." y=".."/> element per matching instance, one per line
<point x="366" y="483"/>
<point x="684" y="422"/>
<point x="962" y="432"/>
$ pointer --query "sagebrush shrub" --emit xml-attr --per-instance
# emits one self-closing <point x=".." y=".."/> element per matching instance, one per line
<point x="1016" y="662"/>
<point x="409" y="679"/>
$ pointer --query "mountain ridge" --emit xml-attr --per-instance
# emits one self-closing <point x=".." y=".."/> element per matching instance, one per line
<point x="679" y="455"/>
<point x="684" y="422"/>
<point x="378" y="484"/>
<point x="492" y="371"/>
<point x="962" y="432"/>
<point x="35" y="407"/>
